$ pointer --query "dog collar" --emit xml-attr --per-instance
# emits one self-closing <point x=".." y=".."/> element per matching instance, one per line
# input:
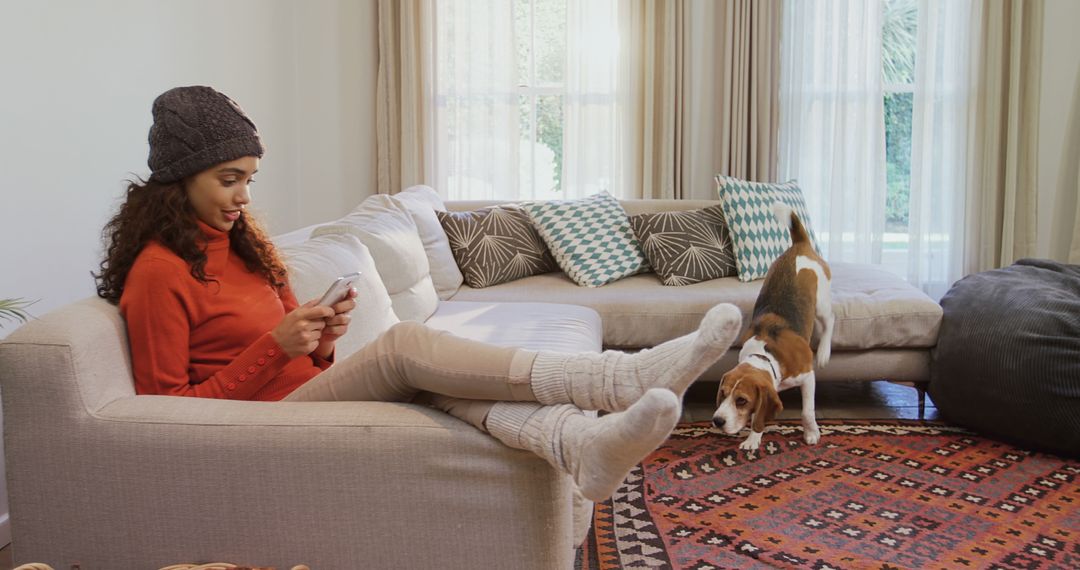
<point x="772" y="368"/>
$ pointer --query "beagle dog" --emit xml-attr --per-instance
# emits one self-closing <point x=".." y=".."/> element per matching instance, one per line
<point x="794" y="299"/>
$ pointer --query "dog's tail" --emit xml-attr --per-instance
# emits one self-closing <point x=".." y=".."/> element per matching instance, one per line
<point x="787" y="216"/>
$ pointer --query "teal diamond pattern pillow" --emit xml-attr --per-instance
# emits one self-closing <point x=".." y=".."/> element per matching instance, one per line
<point x="757" y="236"/>
<point x="590" y="238"/>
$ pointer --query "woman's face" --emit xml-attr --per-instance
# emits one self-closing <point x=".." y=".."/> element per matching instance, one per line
<point x="220" y="193"/>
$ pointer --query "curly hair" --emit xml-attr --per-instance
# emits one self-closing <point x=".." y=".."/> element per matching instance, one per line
<point x="162" y="212"/>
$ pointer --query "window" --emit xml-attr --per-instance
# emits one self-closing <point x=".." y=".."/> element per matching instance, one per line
<point x="526" y="99"/>
<point x="540" y="42"/>
<point x="898" y="46"/>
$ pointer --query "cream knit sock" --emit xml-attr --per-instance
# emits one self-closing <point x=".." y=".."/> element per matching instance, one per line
<point x="614" y="380"/>
<point x="596" y="452"/>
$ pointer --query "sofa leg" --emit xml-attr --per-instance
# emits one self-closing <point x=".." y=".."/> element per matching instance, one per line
<point x="921" y="387"/>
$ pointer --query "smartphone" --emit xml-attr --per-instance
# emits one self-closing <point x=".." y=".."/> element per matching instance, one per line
<point x="338" y="289"/>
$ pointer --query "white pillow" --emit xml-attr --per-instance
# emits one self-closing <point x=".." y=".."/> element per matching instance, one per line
<point x="394" y="242"/>
<point x="314" y="264"/>
<point x="421" y="202"/>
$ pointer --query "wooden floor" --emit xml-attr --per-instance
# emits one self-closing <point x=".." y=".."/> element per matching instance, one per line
<point x="834" y="400"/>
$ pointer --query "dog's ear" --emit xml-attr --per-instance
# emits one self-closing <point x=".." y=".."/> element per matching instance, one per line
<point x="720" y="389"/>
<point x="768" y="405"/>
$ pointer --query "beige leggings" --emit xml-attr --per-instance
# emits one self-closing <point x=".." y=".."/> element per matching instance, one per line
<point x="459" y="376"/>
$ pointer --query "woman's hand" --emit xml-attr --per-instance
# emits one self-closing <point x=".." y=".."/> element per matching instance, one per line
<point x="300" y="331"/>
<point x="337" y="325"/>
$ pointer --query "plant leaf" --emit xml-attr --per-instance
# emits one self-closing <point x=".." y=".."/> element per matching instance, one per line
<point x="14" y="310"/>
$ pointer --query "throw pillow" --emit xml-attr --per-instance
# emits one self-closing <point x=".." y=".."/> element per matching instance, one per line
<point x="495" y="245"/>
<point x="590" y="238"/>
<point x="421" y="202"/>
<point x="685" y="247"/>
<point x="315" y="263"/>
<point x="394" y="242"/>
<point x="756" y="234"/>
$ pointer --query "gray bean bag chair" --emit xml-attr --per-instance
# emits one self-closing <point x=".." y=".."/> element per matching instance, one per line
<point x="1007" y="361"/>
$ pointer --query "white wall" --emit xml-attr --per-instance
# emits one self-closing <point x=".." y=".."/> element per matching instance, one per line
<point x="79" y="77"/>
<point x="334" y="87"/>
<point x="1059" y="123"/>
<point x="76" y="83"/>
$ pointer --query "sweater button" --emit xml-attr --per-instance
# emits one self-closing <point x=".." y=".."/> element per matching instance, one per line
<point x="261" y="361"/>
<point x="241" y="378"/>
<point x="271" y="352"/>
<point x="231" y="386"/>
<point x="251" y="369"/>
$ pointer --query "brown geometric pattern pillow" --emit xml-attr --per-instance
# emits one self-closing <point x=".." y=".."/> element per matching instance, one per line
<point x="686" y="247"/>
<point x="496" y="245"/>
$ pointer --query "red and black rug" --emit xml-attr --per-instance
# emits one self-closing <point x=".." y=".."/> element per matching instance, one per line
<point x="869" y="495"/>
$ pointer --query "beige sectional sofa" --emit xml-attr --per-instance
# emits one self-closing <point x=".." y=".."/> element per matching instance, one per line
<point x="885" y="327"/>
<point x="102" y="477"/>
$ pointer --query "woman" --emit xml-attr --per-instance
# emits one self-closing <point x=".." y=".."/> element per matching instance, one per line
<point x="210" y="313"/>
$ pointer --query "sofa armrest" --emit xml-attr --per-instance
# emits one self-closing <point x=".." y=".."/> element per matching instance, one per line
<point x="181" y="411"/>
<point x="327" y="484"/>
<point x="100" y="477"/>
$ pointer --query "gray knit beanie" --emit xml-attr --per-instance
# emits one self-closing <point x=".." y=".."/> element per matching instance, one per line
<point x="195" y="128"/>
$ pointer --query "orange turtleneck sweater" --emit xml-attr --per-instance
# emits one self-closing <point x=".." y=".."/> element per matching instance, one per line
<point x="211" y="339"/>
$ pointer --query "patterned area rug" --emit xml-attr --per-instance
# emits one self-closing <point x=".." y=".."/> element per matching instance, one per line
<point x="880" y="495"/>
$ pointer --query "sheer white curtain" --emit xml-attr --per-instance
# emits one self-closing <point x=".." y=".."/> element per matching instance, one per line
<point x="593" y="111"/>
<point x="832" y="128"/>
<point x="939" y="144"/>
<point x="478" y="135"/>
<point x="637" y="117"/>
<point x="476" y="127"/>
<point x="832" y="136"/>
<point x="688" y="84"/>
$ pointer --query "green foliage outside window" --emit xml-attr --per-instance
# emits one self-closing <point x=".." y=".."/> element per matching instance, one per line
<point x="897" y="159"/>
<point x="898" y="46"/>
<point x="898" y="40"/>
<point x="549" y="131"/>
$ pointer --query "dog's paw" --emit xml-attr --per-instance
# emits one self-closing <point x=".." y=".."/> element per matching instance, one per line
<point x="811" y="435"/>
<point x="752" y="442"/>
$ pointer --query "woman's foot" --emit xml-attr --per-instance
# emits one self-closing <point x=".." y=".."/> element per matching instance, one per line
<point x="597" y="452"/>
<point x="614" y="380"/>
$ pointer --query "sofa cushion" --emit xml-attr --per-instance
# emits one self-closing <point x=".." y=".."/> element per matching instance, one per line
<point x="496" y="245"/>
<point x="756" y="234"/>
<point x="421" y="202"/>
<point x="590" y="238"/>
<point x="317" y="262"/>
<point x="686" y="247"/>
<point x="535" y="326"/>
<point x="391" y="236"/>
<point x="874" y="308"/>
